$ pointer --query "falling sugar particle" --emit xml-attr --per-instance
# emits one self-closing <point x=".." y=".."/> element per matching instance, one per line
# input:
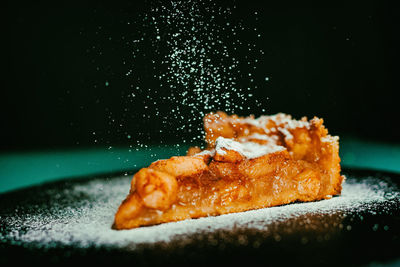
<point x="198" y="63"/>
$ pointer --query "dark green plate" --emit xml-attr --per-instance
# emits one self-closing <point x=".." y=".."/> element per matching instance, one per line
<point x="69" y="222"/>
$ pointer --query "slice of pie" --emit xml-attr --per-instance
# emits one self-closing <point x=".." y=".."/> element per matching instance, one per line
<point x="248" y="163"/>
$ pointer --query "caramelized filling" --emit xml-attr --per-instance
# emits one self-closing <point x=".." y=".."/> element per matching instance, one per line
<point x="248" y="164"/>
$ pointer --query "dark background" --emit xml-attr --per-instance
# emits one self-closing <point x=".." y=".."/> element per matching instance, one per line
<point x="63" y="84"/>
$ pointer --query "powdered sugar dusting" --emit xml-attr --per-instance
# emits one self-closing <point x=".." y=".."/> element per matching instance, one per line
<point x="287" y="120"/>
<point x="248" y="149"/>
<point x="206" y="153"/>
<point x="284" y="123"/>
<point x="286" y="133"/>
<point x="87" y="221"/>
<point x="330" y="139"/>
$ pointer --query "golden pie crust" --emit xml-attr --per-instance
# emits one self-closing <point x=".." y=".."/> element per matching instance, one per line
<point x="248" y="163"/>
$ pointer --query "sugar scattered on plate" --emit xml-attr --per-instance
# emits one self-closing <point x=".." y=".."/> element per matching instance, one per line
<point x="82" y="214"/>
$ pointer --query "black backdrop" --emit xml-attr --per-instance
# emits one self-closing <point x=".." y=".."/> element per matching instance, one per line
<point x="62" y="82"/>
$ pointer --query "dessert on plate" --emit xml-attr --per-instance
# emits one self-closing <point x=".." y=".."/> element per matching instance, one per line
<point x="248" y="163"/>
